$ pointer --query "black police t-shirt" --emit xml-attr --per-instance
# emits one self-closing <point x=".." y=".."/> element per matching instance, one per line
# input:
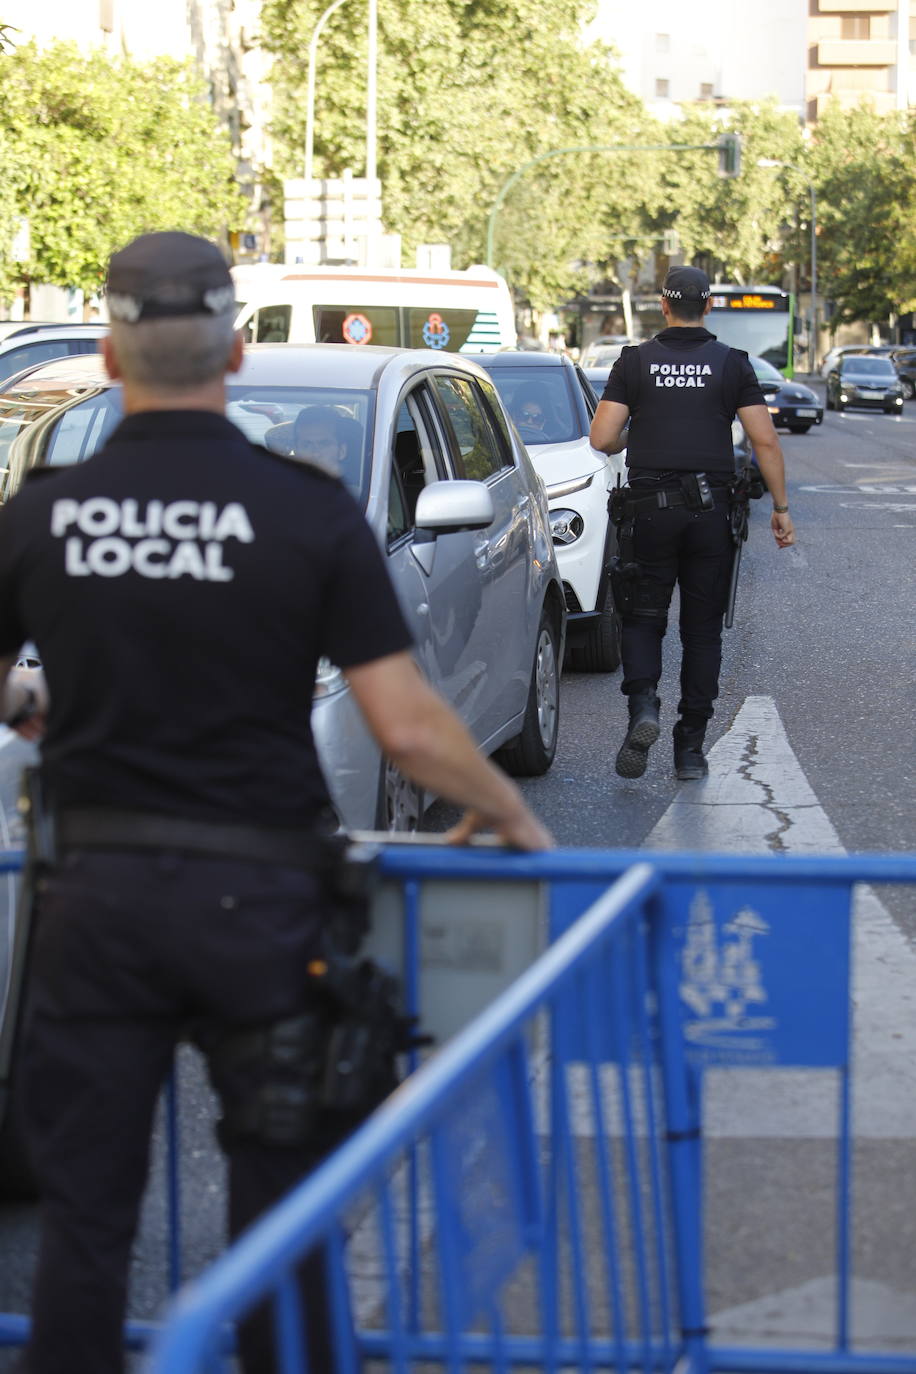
<point x="180" y="587"/>
<point x="683" y="390"/>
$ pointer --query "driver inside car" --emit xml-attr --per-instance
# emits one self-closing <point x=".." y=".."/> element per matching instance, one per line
<point x="528" y="412"/>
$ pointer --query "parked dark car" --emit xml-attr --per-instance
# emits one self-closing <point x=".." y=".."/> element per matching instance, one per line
<point x="865" y="380"/>
<point x="904" y="359"/>
<point x="792" y="405"/>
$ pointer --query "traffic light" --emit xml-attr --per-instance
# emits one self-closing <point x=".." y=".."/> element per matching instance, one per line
<point x="729" y="155"/>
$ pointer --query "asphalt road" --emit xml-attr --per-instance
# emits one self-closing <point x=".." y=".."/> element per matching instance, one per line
<point x="825" y="636"/>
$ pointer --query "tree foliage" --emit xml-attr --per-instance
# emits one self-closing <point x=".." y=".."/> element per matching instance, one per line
<point x="468" y="91"/>
<point x="94" y="151"/>
<point x="865" y="167"/>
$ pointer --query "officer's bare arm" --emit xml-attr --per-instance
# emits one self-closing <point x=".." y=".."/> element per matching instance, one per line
<point x="23" y="698"/>
<point x="607" y="431"/>
<point x="758" y="425"/>
<point x="422" y="735"/>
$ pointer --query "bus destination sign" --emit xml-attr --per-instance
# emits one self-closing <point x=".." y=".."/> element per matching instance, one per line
<point x="750" y="301"/>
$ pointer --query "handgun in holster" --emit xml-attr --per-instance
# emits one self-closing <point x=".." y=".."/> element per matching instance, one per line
<point x="623" y="570"/>
<point x="368" y="1028"/>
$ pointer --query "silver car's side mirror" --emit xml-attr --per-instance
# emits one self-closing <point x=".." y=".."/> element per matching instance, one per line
<point x="450" y="506"/>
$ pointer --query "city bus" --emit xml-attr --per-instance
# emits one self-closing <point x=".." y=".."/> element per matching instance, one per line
<point x="470" y="310"/>
<point x="759" y="319"/>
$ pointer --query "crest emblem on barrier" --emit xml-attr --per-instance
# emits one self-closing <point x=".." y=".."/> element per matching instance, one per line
<point x="721" y="979"/>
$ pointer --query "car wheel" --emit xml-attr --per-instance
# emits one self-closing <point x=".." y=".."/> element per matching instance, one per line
<point x="799" y="429"/>
<point x="401" y="804"/>
<point x="600" y="652"/>
<point x="909" y="388"/>
<point x="531" y="752"/>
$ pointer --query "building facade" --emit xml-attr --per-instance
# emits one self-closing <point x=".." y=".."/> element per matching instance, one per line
<point x="804" y="53"/>
<point x="672" y="54"/>
<point x="861" y="49"/>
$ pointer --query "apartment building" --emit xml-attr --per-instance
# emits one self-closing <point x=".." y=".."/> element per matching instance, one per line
<point x="861" y="49"/>
<point x="804" y="53"/>
<point x="673" y="54"/>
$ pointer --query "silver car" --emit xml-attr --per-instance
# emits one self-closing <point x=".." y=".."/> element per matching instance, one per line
<point x="453" y="499"/>
<point x="29" y="345"/>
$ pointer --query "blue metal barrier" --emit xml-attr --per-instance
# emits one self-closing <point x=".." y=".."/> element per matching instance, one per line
<point x="532" y="1196"/>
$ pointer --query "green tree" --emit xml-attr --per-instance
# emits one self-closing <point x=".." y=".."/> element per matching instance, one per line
<point x="741" y="225"/>
<point x="865" y="166"/>
<point x="94" y="151"/>
<point x="468" y="91"/>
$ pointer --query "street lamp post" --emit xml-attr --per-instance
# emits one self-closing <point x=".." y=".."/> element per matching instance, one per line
<point x="310" y="91"/>
<point x="812" y="337"/>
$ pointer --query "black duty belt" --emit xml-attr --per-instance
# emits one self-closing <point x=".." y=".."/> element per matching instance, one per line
<point x="667" y="497"/>
<point x="100" y="828"/>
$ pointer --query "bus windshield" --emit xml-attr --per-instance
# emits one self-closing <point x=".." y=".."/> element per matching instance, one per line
<point x="756" y="319"/>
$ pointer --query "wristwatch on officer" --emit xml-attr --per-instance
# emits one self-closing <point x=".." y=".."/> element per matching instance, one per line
<point x="779" y="510"/>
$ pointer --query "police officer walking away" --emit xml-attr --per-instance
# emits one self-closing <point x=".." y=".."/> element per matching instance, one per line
<point x="190" y="892"/>
<point x="680" y="393"/>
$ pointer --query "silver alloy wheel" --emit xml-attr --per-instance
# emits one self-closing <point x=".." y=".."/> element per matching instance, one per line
<point x="403" y="802"/>
<point x="546" y="687"/>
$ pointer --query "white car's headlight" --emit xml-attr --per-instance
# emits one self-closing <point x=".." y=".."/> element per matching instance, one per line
<point x="329" y="680"/>
<point x="566" y="526"/>
<point x="567" y="488"/>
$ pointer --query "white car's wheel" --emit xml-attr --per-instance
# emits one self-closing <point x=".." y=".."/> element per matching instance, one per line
<point x="600" y="651"/>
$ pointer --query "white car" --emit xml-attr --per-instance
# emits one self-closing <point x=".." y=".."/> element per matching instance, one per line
<point x="552" y="403"/>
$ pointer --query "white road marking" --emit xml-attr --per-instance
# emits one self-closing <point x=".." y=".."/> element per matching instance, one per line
<point x="900" y="508"/>
<point x="885" y="1318"/>
<point x="758" y="800"/>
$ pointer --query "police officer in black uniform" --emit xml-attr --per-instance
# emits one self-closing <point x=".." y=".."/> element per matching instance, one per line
<point x="181" y="586"/>
<point x="679" y="394"/>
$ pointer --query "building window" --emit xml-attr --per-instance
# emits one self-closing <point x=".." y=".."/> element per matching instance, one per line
<point x="662" y="87"/>
<point x="663" y="42"/>
<point x="706" y="90"/>
<point x="855" y="26"/>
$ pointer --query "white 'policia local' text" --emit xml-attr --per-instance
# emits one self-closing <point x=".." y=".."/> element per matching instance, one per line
<point x="680" y="374"/>
<point x="174" y="539"/>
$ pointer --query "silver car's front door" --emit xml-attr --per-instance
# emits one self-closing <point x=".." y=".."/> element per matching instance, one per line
<point x="441" y="592"/>
<point x="481" y="450"/>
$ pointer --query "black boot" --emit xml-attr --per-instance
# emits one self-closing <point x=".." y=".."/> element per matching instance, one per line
<point x="689" y="763"/>
<point x="641" y="734"/>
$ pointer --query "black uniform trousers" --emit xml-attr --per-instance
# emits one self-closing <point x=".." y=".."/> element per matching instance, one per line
<point x="130" y="952"/>
<point x="693" y="549"/>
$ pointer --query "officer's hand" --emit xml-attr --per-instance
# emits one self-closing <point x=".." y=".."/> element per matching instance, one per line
<point x="783" y="529"/>
<point x="521" y="832"/>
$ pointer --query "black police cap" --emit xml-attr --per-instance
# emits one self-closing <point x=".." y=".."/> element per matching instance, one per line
<point x="686" y="284"/>
<point x="164" y="275"/>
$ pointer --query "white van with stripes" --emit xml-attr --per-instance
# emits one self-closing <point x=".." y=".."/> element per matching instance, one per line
<point x="466" y="311"/>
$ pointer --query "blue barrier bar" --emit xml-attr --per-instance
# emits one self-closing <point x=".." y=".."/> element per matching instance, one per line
<point x="247" y="1272"/>
<point x="472" y="1170"/>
